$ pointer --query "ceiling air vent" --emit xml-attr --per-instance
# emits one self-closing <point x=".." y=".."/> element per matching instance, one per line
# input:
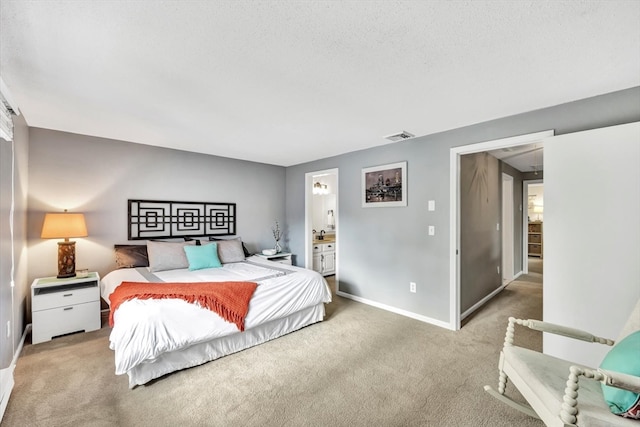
<point x="399" y="136"/>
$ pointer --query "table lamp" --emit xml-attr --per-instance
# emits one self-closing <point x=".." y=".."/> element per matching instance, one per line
<point x="65" y="225"/>
<point x="538" y="209"/>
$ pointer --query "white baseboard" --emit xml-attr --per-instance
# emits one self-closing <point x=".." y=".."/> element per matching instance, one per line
<point x="482" y="302"/>
<point x="6" y="375"/>
<point x="399" y="311"/>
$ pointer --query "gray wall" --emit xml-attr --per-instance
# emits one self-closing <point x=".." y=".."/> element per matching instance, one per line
<point x="97" y="176"/>
<point x="382" y="249"/>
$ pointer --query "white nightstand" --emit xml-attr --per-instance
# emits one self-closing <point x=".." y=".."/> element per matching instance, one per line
<point x="63" y="306"/>
<point x="281" y="257"/>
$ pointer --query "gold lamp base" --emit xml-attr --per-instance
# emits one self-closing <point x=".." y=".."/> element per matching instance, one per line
<point x="66" y="260"/>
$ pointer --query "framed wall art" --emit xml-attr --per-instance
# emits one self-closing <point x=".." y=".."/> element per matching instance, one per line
<point x="384" y="186"/>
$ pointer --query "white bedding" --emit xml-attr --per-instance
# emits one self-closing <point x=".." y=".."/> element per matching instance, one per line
<point x="145" y="330"/>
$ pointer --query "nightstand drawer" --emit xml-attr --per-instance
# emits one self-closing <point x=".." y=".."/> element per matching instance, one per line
<point x="65" y="320"/>
<point x="64" y="306"/>
<point x="66" y="297"/>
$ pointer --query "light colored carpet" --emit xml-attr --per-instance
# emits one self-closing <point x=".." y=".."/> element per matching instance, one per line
<point x="360" y="367"/>
<point x="536" y="267"/>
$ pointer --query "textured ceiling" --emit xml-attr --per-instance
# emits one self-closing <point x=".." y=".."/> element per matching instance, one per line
<point x="285" y="82"/>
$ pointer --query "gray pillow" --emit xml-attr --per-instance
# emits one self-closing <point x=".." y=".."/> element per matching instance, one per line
<point x="230" y="250"/>
<point x="247" y="254"/>
<point x="167" y="255"/>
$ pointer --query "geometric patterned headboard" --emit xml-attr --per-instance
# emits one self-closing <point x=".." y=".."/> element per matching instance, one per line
<point x="158" y="219"/>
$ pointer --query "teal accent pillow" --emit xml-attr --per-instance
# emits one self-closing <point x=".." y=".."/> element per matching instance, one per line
<point x="200" y="257"/>
<point x="624" y="357"/>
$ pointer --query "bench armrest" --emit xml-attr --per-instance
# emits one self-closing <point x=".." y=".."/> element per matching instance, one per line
<point x="569" y="408"/>
<point x="552" y="328"/>
<point x="620" y="380"/>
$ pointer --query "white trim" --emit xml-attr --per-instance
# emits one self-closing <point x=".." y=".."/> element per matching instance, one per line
<point x="481" y="302"/>
<point x="399" y="311"/>
<point x="27" y="329"/>
<point x="508" y="229"/>
<point x="308" y="204"/>
<point x="454" y="201"/>
<point x="454" y="242"/>
<point x="7" y="383"/>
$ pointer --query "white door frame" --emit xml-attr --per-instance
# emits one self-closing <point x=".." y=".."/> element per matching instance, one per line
<point x="308" y="216"/>
<point x="454" y="213"/>
<point x="508" y="251"/>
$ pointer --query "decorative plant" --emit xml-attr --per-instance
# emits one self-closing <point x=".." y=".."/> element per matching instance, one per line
<point x="277" y="235"/>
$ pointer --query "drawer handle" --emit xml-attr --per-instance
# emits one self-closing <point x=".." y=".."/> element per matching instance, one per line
<point x="68" y="308"/>
<point x="67" y="295"/>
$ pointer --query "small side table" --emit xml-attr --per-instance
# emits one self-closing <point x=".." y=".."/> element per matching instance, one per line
<point x="64" y="306"/>
<point x="281" y="257"/>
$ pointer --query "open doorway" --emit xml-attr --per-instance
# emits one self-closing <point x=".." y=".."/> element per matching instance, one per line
<point x="507" y="146"/>
<point x="533" y="221"/>
<point x="321" y="221"/>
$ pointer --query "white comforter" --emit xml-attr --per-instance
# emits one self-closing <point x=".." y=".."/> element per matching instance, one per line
<point x="145" y="329"/>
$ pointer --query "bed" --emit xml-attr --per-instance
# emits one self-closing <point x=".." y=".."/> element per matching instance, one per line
<point x="154" y="337"/>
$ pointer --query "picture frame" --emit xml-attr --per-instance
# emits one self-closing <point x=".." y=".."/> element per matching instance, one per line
<point x="385" y="185"/>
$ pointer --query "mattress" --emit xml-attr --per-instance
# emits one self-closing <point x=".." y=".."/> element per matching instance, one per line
<point x="153" y="337"/>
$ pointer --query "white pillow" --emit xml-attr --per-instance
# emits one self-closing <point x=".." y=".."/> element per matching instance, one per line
<point x="167" y="255"/>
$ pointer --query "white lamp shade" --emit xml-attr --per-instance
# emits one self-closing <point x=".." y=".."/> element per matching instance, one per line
<point x="63" y="226"/>
<point x="537" y="209"/>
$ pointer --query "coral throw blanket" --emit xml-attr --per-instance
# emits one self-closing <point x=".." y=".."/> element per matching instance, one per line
<point x="230" y="300"/>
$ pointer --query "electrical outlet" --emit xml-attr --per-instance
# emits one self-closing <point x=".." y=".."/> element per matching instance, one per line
<point x="412" y="287"/>
<point x="432" y="230"/>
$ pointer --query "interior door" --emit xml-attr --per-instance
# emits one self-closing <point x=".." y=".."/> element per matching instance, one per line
<point x="591" y="236"/>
